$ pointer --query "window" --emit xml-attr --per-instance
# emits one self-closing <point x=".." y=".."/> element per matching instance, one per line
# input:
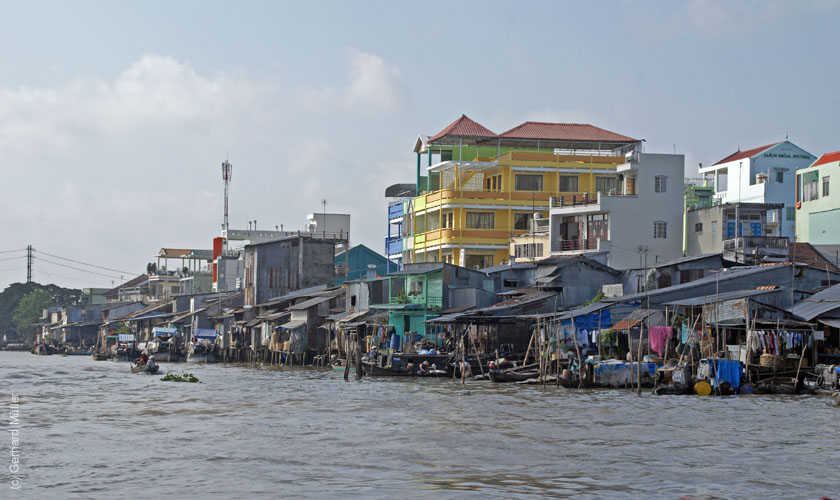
<point x="480" y="220"/>
<point x="520" y="221"/>
<point x="479" y="261"/>
<point x="714" y="228"/>
<point x="433" y="222"/>
<point x="780" y="177"/>
<point x="790" y="213"/>
<point x="698" y="228"/>
<point x="528" y="250"/>
<point x="605" y="184"/>
<point x="825" y="185"/>
<point x="448" y="220"/>
<point x="660" y="229"/>
<point x="528" y="182"/>
<point x="493" y="183"/>
<point x="568" y="184"/>
<point x="660" y="183"/>
<point x="810" y="191"/>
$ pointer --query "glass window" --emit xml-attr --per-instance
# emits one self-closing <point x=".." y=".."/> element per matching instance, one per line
<point x="714" y="228"/>
<point x="448" y="220"/>
<point x="698" y="228"/>
<point x="605" y="184"/>
<point x="520" y="221"/>
<point x="433" y="221"/>
<point x="528" y="182"/>
<point x="791" y="213"/>
<point x="568" y="184"/>
<point x="810" y="185"/>
<point x="825" y="185"/>
<point x="480" y="220"/>
<point x="660" y="183"/>
<point x="780" y="176"/>
<point x="660" y="229"/>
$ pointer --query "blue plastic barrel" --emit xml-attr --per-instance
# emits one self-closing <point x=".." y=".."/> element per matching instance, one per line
<point x="395" y="342"/>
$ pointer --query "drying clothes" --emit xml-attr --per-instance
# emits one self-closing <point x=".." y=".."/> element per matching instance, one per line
<point x="728" y="371"/>
<point x="684" y="332"/>
<point x="659" y="335"/>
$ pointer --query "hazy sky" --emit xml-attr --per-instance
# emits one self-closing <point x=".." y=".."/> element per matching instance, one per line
<point x="114" y="118"/>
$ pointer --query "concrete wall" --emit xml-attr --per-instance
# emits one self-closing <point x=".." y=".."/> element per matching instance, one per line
<point x="709" y="240"/>
<point x="632" y="217"/>
<point x="816" y="220"/>
<point x="276" y="268"/>
<point x="582" y="282"/>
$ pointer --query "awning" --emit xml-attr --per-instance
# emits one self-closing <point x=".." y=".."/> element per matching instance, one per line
<point x="164" y="332"/>
<point x="149" y="316"/>
<point x="834" y="323"/>
<point x="291" y="325"/>
<point x="205" y="333"/>
<point x="126" y="337"/>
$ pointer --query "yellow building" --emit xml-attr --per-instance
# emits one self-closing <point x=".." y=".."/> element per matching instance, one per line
<point x="487" y="187"/>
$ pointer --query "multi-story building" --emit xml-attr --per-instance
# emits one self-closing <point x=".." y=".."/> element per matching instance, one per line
<point x="642" y="219"/>
<point x="483" y="188"/>
<point x="736" y="230"/>
<point x="817" y="205"/>
<point x="761" y="175"/>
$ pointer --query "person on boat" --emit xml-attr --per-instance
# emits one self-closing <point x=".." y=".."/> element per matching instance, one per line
<point x="424" y="367"/>
<point x="143" y="359"/>
<point x="151" y="362"/>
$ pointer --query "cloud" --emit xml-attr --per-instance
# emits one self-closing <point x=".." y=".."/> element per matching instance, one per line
<point x="108" y="171"/>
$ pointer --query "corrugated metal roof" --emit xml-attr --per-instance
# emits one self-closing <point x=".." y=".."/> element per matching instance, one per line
<point x="633" y="319"/>
<point x="740" y="155"/>
<point x="683" y="260"/>
<point x="723" y="297"/>
<point x="817" y="304"/>
<point x="571" y="132"/>
<point x="291" y="325"/>
<point x="306" y="304"/>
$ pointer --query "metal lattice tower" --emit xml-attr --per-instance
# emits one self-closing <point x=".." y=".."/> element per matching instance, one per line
<point x="227" y="173"/>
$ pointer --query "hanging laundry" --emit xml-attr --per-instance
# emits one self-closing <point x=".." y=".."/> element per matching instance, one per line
<point x="659" y="335"/>
<point x="684" y="332"/>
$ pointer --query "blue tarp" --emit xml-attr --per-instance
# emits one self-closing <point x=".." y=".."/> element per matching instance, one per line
<point x="591" y="321"/>
<point x="205" y="333"/>
<point x="164" y="332"/>
<point x="728" y="371"/>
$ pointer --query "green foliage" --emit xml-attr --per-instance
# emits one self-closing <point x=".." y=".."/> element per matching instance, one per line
<point x="598" y="296"/>
<point x="678" y="320"/>
<point x="608" y="337"/>
<point x="29" y="310"/>
<point x="182" y="377"/>
<point x="14" y="293"/>
<point x="402" y="298"/>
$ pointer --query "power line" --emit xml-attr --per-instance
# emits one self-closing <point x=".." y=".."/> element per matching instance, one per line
<point x="84" y="263"/>
<point x="79" y="269"/>
<point x="13" y="251"/>
<point x="50" y="276"/>
<point x="15" y="258"/>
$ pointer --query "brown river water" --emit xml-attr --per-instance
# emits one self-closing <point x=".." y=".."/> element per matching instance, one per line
<point x="91" y="429"/>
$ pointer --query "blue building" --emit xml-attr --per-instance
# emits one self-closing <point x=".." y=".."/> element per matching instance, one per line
<point x="358" y="261"/>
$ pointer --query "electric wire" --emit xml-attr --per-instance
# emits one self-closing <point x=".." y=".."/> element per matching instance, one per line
<point x="13" y="251"/>
<point x="41" y="259"/>
<point x="83" y="263"/>
<point x="14" y="258"/>
<point x="50" y="276"/>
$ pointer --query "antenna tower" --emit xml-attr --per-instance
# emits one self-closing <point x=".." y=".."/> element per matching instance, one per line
<point x="227" y="173"/>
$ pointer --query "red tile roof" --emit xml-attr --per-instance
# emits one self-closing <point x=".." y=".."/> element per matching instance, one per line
<point x="827" y="158"/>
<point x="564" y="132"/>
<point x="740" y="155"/>
<point x="464" y="127"/>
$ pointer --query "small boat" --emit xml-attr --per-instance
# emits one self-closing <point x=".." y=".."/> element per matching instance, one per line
<point x="502" y="376"/>
<point x="151" y="370"/>
<point x="99" y="356"/>
<point x="781" y="385"/>
<point x="575" y="383"/>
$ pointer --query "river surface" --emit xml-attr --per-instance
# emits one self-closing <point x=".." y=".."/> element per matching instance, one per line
<point x="91" y="429"/>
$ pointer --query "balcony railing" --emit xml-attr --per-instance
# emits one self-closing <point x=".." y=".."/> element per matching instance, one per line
<point x="574" y="200"/>
<point x="429" y="302"/>
<point x="772" y="242"/>
<point x="574" y="245"/>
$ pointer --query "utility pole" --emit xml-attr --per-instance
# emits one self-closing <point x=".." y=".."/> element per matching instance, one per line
<point x="29" y="263"/>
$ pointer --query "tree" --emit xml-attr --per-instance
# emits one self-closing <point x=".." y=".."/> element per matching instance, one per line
<point x="29" y="310"/>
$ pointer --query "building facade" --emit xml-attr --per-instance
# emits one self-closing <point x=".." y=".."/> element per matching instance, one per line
<point x="482" y="188"/>
<point x="761" y="175"/>
<point x="641" y="220"/>
<point x="817" y="204"/>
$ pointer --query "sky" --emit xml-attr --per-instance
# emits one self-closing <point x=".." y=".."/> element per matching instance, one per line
<point x="116" y="116"/>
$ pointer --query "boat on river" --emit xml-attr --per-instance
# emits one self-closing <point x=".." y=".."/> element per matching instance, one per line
<point x="145" y="368"/>
<point x="407" y="365"/>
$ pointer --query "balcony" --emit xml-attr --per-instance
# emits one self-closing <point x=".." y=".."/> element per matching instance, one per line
<point x="763" y="242"/>
<point x="394" y="245"/>
<point x="419" y="301"/>
<point x="574" y="200"/>
<point x="395" y="211"/>
<point x="574" y="245"/>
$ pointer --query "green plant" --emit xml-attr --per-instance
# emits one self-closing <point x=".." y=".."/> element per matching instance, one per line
<point x="598" y="296"/>
<point x="183" y="377"/>
<point x="402" y="298"/>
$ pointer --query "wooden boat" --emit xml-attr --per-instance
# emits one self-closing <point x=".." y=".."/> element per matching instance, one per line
<point x="151" y="370"/>
<point x="780" y="385"/>
<point x="574" y="383"/>
<point x="506" y="376"/>
<point x="99" y="356"/>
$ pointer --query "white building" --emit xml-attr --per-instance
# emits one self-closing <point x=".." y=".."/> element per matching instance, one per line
<point x="766" y="174"/>
<point x="641" y="220"/>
